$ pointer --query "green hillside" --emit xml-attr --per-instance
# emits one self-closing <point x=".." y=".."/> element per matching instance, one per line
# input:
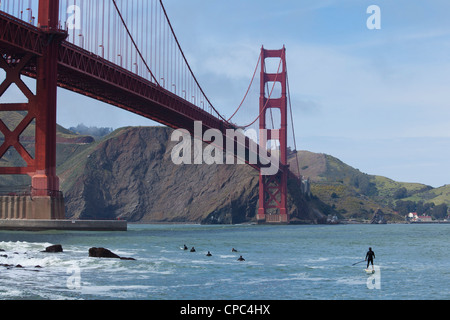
<point x="72" y="158"/>
<point x="68" y="144"/>
<point x="13" y="118"/>
<point x="349" y="193"/>
<point x="438" y="196"/>
<point x="356" y="195"/>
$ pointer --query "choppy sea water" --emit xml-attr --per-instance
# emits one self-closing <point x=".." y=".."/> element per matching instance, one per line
<point x="281" y="262"/>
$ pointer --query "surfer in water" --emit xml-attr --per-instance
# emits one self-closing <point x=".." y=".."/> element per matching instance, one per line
<point x="369" y="258"/>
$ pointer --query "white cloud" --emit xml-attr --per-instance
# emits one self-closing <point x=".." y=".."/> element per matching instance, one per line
<point x="233" y="60"/>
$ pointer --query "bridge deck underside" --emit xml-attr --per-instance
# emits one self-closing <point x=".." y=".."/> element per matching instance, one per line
<point x="88" y="74"/>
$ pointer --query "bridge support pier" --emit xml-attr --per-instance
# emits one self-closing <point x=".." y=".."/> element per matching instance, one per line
<point x="46" y="201"/>
<point x="273" y="188"/>
<point x="32" y="208"/>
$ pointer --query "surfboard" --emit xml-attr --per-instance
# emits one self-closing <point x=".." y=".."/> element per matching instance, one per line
<point x="369" y="271"/>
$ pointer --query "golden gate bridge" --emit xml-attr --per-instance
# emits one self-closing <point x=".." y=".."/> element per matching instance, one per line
<point x="126" y="54"/>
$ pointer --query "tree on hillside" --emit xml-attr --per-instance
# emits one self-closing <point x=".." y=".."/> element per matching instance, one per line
<point x="405" y="207"/>
<point x="440" y="211"/>
<point x="362" y="182"/>
<point x="401" y="193"/>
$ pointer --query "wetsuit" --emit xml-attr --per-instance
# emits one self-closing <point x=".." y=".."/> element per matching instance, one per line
<point x="369" y="257"/>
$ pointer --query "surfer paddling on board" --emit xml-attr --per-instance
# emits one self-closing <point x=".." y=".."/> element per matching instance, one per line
<point x="369" y="258"/>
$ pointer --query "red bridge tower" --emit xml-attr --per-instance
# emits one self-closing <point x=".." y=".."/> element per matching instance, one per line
<point x="273" y="188"/>
<point x="46" y="201"/>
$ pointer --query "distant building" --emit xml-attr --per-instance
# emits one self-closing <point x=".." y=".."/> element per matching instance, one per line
<point x="414" y="217"/>
<point x="425" y="219"/>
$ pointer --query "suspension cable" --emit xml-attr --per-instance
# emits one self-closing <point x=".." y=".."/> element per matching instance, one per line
<point x="187" y="64"/>
<point x="268" y="98"/>
<point x="134" y="43"/>
<point x="292" y="123"/>
<point x="248" y="90"/>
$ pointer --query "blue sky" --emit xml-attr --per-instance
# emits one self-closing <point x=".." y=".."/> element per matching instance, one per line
<point x="379" y="100"/>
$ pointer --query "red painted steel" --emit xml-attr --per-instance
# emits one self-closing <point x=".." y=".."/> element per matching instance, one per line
<point x="13" y="68"/>
<point x="18" y="36"/>
<point x="93" y="76"/>
<point x="27" y="48"/>
<point x="41" y="53"/>
<point x="44" y="178"/>
<point x="273" y="188"/>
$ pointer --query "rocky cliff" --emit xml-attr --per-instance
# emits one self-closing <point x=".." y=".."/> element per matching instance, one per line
<point x="130" y="175"/>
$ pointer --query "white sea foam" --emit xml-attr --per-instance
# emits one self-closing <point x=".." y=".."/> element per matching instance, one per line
<point x="321" y="259"/>
<point x="227" y="256"/>
<point x="21" y="246"/>
<point x="352" y="281"/>
<point x="315" y="267"/>
<point x="305" y="277"/>
<point x="162" y="271"/>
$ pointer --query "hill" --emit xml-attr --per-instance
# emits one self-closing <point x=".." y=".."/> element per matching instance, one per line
<point x="356" y="195"/>
<point x="438" y="196"/>
<point x="13" y="118"/>
<point x="66" y="140"/>
<point x="128" y="174"/>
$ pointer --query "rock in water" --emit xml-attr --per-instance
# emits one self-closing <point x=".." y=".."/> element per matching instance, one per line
<point x="54" y="248"/>
<point x="102" y="253"/>
<point x="124" y="258"/>
<point x="105" y="253"/>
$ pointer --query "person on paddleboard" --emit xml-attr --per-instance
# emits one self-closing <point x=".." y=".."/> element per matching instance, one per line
<point x="369" y="258"/>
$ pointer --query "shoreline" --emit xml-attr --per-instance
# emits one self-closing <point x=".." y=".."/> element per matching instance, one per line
<point x="290" y="224"/>
<point x="73" y="225"/>
<point x="122" y="225"/>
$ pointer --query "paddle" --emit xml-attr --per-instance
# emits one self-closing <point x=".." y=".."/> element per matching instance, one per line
<point x="358" y="262"/>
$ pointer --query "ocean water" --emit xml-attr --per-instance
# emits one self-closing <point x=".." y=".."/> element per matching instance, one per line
<point x="281" y="263"/>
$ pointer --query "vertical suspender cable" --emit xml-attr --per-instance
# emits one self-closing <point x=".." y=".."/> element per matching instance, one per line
<point x="73" y="31"/>
<point x="248" y="90"/>
<point x="292" y="123"/>
<point x="134" y="43"/>
<point x="187" y="64"/>
<point x="109" y="32"/>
